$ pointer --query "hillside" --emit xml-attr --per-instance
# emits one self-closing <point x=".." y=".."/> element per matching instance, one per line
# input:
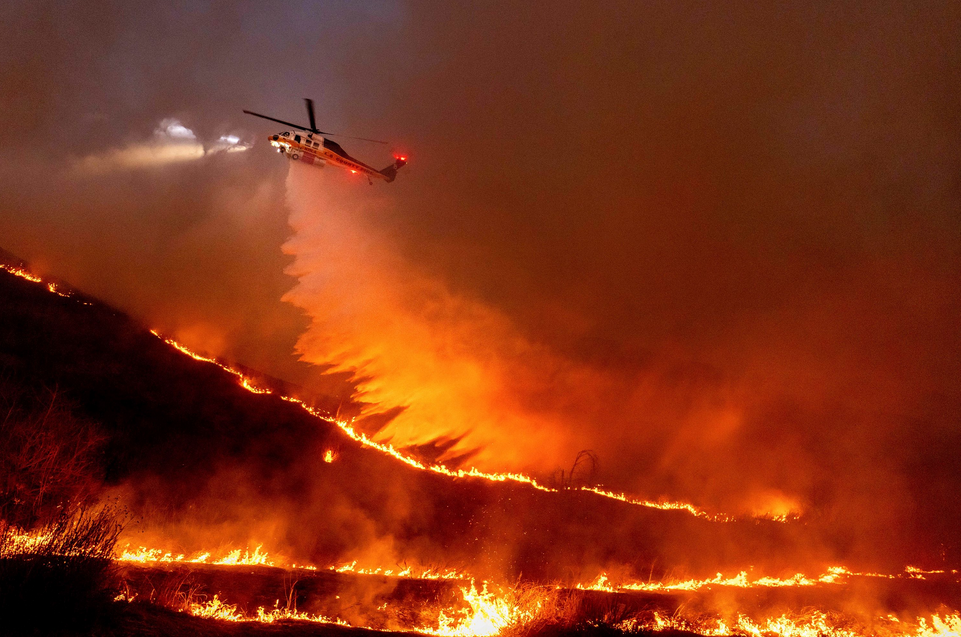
<point x="197" y="459"/>
<point x="200" y="462"/>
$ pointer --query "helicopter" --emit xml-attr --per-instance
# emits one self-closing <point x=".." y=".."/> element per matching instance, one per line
<point x="313" y="148"/>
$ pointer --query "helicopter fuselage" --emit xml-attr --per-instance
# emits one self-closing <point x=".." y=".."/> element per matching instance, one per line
<point x="314" y="150"/>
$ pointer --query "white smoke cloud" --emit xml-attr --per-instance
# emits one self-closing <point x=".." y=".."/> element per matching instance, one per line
<point x="172" y="143"/>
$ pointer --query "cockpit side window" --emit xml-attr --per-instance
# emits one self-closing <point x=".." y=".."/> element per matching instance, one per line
<point x="297" y="138"/>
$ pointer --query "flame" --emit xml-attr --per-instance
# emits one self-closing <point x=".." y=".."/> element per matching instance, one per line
<point x="218" y="609"/>
<point x="23" y="274"/>
<point x="244" y="557"/>
<point x="486" y="615"/>
<point x="407" y="572"/>
<point x="813" y="624"/>
<point x="235" y="557"/>
<point x="833" y="575"/>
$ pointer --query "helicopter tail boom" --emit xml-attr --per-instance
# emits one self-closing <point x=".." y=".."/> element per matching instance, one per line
<point x="390" y="173"/>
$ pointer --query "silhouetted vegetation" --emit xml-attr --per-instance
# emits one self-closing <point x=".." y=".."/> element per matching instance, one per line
<point x="581" y="474"/>
<point x="50" y="460"/>
<point x="55" y="552"/>
<point x="61" y="579"/>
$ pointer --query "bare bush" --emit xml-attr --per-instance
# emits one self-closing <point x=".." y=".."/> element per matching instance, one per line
<point x="49" y="458"/>
<point x="56" y="571"/>
<point x="581" y="474"/>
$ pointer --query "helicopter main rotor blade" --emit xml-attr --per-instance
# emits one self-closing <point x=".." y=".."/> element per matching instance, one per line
<point x="313" y="129"/>
<point x="363" y="139"/>
<point x="310" y="114"/>
<point x="279" y="121"/>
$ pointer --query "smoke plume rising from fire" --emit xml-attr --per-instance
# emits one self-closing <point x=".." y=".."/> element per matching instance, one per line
<point x="440" y="367"/>
<point x="751" y="423"/>
<point x="448" y="361"/>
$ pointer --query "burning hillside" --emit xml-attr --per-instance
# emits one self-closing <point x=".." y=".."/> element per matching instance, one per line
<point x="341" y="529"/>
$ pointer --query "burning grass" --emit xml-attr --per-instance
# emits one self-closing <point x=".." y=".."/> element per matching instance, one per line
<point x="67" y="564"/>
<point x="446" y="608"/>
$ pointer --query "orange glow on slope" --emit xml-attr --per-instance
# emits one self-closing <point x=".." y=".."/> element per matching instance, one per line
<point x="433" y="359"/>
<point x="363" y="439"/>
<point x="388" y="449"/>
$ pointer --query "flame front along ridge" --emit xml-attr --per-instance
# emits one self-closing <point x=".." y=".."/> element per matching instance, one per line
<point x="248" y="384"/>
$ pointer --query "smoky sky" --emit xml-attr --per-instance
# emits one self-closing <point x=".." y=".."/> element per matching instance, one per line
<point x="744" y="220"/>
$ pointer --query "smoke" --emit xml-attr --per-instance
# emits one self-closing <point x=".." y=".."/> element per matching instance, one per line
<point x="716" y="245"/>
<point x="448" y="361"/>
<point x="726" y="262"/>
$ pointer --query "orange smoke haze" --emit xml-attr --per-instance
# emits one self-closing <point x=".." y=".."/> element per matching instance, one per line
<point x="458" y="368"/>
<point x="444" y="369"/>
<point x="716" y="245"/>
